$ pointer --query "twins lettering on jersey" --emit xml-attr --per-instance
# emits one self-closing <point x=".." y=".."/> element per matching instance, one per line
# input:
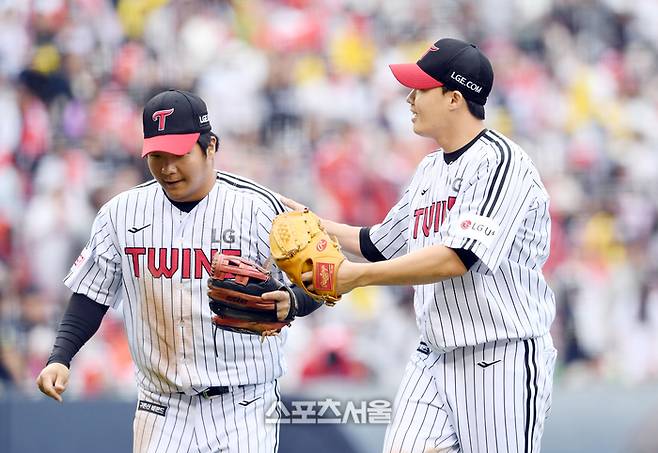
<point x="431" y="217"/>
<point x="164" y="262"/>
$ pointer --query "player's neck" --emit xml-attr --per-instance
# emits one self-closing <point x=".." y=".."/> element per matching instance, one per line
<point x="200" y="193"/>
<point x="454" y="138"/>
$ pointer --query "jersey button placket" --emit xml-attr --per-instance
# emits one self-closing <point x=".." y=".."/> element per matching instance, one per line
<point x="184" y="240"/>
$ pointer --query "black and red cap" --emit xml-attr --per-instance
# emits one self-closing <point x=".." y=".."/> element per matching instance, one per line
<point x="173" y="121"/>
<point x="453" y="63"/>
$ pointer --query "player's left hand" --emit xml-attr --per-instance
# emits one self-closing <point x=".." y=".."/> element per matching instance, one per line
<point x="282" y="300"/>
<point x="235" y="290"/>
<point x="292" y="204"/>
<point x="53" y="379"/>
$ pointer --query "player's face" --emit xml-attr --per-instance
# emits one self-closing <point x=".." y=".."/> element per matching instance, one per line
<point x="429" y="109"/>
<point x="184" y="178"/>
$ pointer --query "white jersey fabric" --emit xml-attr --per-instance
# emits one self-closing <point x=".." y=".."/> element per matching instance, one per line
<point x="490" y="200"/>
<point x="481" y="378"/>
<point x="155" y="259"/>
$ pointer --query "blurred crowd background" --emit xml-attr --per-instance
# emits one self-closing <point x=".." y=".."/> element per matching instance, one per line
<point x="301" y="97"/>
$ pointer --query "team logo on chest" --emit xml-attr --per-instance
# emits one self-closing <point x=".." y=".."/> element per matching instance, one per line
<point x="227" y="236"/>
<point x="430" y="218"/>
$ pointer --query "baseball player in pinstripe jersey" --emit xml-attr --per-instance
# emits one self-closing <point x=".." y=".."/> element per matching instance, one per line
<point x="151" y="249"/>
<point x="471" y="233"/>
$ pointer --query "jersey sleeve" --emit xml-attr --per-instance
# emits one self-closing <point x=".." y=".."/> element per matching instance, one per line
<point x="489" y="209"/>
<point x="264" y="215"/>
<point x="96" y="273"/>
<point x="388" y="239"/>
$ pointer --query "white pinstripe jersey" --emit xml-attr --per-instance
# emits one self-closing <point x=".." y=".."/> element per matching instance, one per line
<point x="156" y="259"/>
<point x="489" y="200"/>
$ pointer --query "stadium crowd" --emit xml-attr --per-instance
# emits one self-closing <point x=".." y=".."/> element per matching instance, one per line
<point x="300" y="94"/>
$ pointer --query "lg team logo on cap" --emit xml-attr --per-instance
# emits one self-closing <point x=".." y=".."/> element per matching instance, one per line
<point x="432" y="48"/>
<point x="161" y="117"/>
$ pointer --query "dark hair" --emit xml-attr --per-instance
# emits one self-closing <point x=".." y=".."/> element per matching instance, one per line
<point x="476" y="110"/>
<point x="204" y="140"/>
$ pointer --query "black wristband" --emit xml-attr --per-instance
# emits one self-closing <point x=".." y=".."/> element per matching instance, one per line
<point x="305" y="304"/>
<point x="80" y="322"/>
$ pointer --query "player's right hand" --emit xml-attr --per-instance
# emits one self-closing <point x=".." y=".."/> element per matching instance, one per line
<point x="53" y="379"/>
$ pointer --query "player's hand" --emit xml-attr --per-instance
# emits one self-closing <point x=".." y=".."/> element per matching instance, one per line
<point x="292" y="204"/>
<point x="53" y="379"/>
<point x="328" y="225"/>
<point x="282" y="299"/>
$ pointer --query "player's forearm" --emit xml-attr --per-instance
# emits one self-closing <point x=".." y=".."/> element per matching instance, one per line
<point x="424" y="266"/>
<point x="347" y="235"/>
<point x="80" y="322"/>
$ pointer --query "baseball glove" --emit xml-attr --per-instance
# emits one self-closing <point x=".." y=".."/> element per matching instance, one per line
<point x="235" y="290"/>
<point x="299" y="244"/>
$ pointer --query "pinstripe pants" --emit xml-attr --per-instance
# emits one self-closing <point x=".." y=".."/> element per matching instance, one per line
<point x="233" y="422"/>
<point x="487" y="398"/>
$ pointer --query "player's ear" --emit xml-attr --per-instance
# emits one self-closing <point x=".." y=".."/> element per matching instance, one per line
<point x="212" y="146"/>
<point x="456" y="98"/>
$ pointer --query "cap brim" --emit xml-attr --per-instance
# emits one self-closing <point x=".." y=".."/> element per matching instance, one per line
<point x="411" y="76"/>
<point x="177" y="144"/>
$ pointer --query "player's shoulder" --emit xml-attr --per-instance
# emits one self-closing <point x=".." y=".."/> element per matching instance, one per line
<point x="140" y="189"/>
<point x="429" y="161"/>
<point x="248" y="188"/>
<point x="431" y="158"/>
<point x="497" y="147"/>
<point x="493" y="145"/>
<point x="148" y="186"/>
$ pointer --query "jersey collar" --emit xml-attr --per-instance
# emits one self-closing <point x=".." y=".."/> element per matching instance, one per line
<point x="185" y="206"/>
<point x="449" y="158"/>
